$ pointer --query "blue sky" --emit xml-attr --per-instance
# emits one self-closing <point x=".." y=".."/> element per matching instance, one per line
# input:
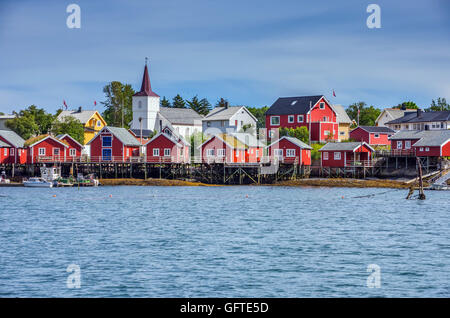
<point x="251" y="52"/>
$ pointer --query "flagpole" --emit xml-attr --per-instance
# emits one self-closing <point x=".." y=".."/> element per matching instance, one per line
<point x="310" y="105"/>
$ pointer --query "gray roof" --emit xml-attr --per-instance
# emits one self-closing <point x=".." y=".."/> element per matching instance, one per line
<point x="181" y="116"/>
<point x="82" y="116"/>
<point x="145" y="132"/>
<point x="342" y="116"/>
<point x="298" y="142"/>
<point x="377" y="129"/>
<point x="248" y="139"/>
<point x="342" y="146"/>
<point x="4" y="144"/>
<point x="395" y="112"/>
<point x="293" y="105"/>
<point x="421" y="116"/>
<point x="124" y="135"/>
<point x="13" y="138"/>
<point x="408" y="134"/>
<point x="434" y="138"/>
<point x="222" y="113"/>
<point x="6" y="116"/>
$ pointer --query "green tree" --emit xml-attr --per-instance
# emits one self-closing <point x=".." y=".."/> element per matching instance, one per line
<point x="200" y="106"/>
<point x="407" y="105"/>
<point x="222" y="102"/>
<point x="30" y="122"/>
<point x="194" y="104"/>
<point x="367" y="115"/>
<point x="259" y="113"/>
<point x="165" y="102"/>
<point x="205" y="106"/>
<point x="118" y="104"/>
<point x="300" y="133"/>
<point x="178" y="102"/>
<point x="439" y="105"/>
<point x="71" y="126"/>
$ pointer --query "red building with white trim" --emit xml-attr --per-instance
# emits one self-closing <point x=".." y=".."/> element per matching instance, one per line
<point x="289" y="150"/>
<point x="304" y="111"/>
<point x="46" y="148"/>
<point x="346" y="154"/>
<point x="12" y="147"/>
<point x="422" y="143"/>
<point x="372" y="135"/>
<point x="114" y="144"/>
<point x="166" y="148"/>
<point x="74" y="150"/>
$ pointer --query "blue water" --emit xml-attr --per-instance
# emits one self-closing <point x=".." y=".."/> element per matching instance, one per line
<point x="215" y="242"/>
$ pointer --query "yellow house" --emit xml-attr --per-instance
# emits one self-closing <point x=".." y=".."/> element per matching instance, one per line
<point x="92" y="121"/>
<point x="344" y="122"/>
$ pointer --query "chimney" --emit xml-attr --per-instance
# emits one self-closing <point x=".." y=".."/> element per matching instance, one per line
<point x="419" y="112"/>
<point x="79" y="109"/>
<point x="226" y="104"/>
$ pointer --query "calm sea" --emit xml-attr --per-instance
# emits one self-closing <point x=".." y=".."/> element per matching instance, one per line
<point x="217" y="242"/>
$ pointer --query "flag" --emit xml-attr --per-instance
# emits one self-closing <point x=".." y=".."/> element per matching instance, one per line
<point x="65" y="105"/>
<point x="334" y="94"/>
<point x="95" y="103"/>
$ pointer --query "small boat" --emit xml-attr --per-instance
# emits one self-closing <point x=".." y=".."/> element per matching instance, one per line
<point x="37" y="183"/>
<point x="3" y="178"/>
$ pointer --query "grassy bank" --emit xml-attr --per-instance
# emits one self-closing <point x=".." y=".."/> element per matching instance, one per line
<point x="346" y="183"/>
<point x="150" y="182"/>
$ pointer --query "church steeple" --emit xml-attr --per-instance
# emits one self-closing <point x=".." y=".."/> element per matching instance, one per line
<point x="146" y="87"/>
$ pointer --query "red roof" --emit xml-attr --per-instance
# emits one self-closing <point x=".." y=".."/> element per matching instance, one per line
<point x="146" y="87"/>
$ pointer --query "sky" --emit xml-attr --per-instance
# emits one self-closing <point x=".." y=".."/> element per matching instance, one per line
<point x="250" y="52"/>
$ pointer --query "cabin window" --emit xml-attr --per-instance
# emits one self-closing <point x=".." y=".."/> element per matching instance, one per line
<point x="210" y="152"/>
<point x="221" y="152"/>
<point x="325" y="156"/>
<point x="408" y="144"/>
<point x="166" y="152"/>
<point x="290" y="152"/>
<point x="56" y="151"/>
<point x="275" y="120"/>
<point x="421" y="148"/>
<point x="290" y="119"/>
<point x="342" y="133"/>
<point x="278" y="152"/>
<point x="337" y="156"/>
<point x="128" y="152"/>
<point x="300" y="118"/>
<point x="5" y="152"/>
<point x="325" y="118"/>
<point x="427" y="149"/>
<point x="11" y="152"/>
<point x="322" y="105"/>
<point x="72" y="152"/>
<point x="106" y="154"/>
<point x="155" y="152"/>
<point x="41" y="151"/>
<point x="377" y="135"/>
<point x="99" y="123"/>
<point x="106" y="141"/>
<point x="399" y="144"/>
<point x="208" y="124"/>
<point x="326" y="132"/>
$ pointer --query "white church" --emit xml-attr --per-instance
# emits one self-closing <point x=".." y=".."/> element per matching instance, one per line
<point x="149" y="116"/>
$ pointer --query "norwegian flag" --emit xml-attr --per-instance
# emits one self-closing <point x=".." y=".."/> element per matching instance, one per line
<point x="95" y="103"/>
<point x="334" y="94"/>
<point x="65" y="105"/>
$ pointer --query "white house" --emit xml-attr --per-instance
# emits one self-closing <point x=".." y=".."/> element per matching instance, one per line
<point x="229" y="119"/>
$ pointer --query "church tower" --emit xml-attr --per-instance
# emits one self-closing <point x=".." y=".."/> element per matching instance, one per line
<point x="145" y="105"/>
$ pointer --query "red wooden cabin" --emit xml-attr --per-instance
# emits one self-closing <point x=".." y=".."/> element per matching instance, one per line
<point x="231" y="149"/>
<point x="73" y="152"/>
<point x="165" y="148"/>
<point x="46" y="148"/>
<point x="114" y="144"/>
<point x="372" y="135"/>
<point x="346" y="154"/>
<point x="304" y="111"/>
<point x="422" y="143"/>
<point x="12" y="148"/>
<point x="289" y="150"/>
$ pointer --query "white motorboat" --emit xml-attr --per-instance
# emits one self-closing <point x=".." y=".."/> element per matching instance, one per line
<point x="37" y="183"/>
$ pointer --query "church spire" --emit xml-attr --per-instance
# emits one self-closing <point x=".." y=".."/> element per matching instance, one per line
<point x="146" y="87"/>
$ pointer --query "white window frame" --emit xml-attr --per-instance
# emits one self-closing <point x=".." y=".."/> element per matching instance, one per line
<point x="399" y="144"/>
<point x="421" y="148"/>
<point x="155" y="152"/>
<point x="210" y="152"/>
<point x="300" y="118"/>
<point x="290" y="153"/>
<point x="5" y="152"/>
<point x="407" y="144"/>
<point x="166" y="152"/>
<point x="427" y="149"/>
<point x="376" y="135"/>
<point x="278" y="152"/>
<point x="322" y="105"/>
<point x="103" y="137"/>
<point x="337" y="155"/>
<point x="72" y="152"/>
<point x="325" y="155"/>
<point x="291" y="119"/>
<point x="326" y="132"/>
<point x="272" y="118"/>
<point x="221" y="152"/>
<point x="55" y="149"/>
<point x="41" y="151"/>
